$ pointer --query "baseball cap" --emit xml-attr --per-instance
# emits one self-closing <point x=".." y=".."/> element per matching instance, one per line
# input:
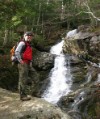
<point x="28" y="33"/>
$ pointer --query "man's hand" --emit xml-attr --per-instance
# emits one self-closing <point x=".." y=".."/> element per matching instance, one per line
<point x="21" y="62"/>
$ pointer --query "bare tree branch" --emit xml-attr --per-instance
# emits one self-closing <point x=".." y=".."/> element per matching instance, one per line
<point x="90" y="12"/>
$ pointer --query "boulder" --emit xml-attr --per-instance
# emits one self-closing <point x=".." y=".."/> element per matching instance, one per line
<point x="43" y="60"/>
<point x="12" y="108"/>
<point x="84" y="42"/>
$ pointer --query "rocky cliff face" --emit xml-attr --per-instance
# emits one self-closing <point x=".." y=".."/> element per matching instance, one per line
<point x="85" y="42"/>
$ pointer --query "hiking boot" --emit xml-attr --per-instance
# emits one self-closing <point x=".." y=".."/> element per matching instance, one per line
<point x="26" y="98"/>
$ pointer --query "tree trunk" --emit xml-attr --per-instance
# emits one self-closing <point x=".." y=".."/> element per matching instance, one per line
<point x="38" y="16"/>
<point x="5" y="37"/>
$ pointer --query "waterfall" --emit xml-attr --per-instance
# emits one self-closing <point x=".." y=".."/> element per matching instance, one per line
<point x="60" y="76"/>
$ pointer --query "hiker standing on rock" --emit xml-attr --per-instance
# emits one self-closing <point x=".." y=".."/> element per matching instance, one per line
<point x="23" y="54"/>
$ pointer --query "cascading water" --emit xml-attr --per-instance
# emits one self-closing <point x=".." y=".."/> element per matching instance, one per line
<point x="60" y="76"/>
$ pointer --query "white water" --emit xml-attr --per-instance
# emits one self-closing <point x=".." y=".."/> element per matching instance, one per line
<point x="71" y="33"/>
<point x="78" y="100"/>
<point x="60" y="77"/>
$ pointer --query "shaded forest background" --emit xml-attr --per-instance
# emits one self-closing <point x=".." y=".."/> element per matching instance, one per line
<point x="48" y="19"/>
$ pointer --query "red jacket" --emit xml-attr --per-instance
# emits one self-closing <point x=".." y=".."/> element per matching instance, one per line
<point x="27" y="54"/>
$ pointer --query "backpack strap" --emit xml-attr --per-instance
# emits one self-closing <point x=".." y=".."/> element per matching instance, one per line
<point x="24" y="47"/>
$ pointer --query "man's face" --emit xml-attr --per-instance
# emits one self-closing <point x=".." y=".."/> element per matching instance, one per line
<point x="28" y="38"/>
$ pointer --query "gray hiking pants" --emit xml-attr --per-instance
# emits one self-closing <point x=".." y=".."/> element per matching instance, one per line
<point x="23" y="79"/>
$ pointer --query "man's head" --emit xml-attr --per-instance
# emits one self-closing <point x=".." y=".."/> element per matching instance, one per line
<point x="28" y="36"/>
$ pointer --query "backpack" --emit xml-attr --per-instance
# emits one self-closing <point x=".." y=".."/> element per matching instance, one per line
<point x="12" y="53"/>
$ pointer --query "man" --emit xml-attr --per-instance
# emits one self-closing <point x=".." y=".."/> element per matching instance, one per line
<point x="23" y="54"/>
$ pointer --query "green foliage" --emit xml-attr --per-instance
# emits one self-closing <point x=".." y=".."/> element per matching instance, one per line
<point x="39" y="39"/>
<point x="16" y="20"/>
<point x="35" y="14"/>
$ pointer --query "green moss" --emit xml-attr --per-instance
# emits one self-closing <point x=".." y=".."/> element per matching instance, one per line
<point x="91" y="110"/>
